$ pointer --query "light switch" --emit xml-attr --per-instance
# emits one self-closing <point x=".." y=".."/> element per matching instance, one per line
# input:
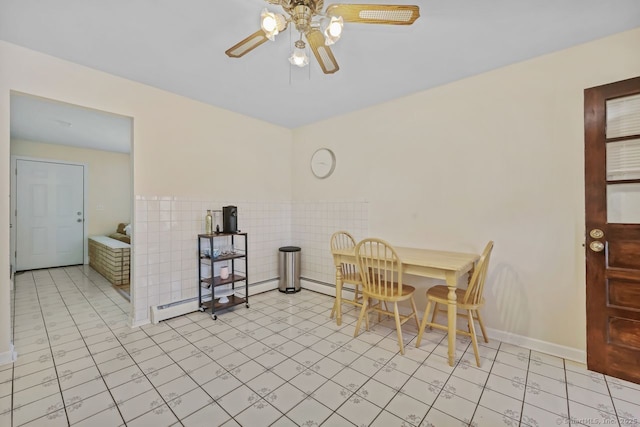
<point x="100" y="207"/>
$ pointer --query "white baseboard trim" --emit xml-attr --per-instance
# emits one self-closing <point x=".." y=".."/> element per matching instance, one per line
<point x="263" y="287"/>
<point x="324" y="289"/>
<point x="8" y="356"/>
<point x="546" y="347"/>
<point x="181" y="308"/>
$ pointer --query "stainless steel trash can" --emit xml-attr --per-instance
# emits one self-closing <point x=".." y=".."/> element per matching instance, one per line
<point x="289" y="269"/>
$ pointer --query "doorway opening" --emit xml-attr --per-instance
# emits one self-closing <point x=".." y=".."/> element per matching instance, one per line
<point x="73" y="184"/>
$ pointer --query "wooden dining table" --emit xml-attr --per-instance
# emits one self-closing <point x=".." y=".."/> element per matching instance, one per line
<point x="448" y="266"/>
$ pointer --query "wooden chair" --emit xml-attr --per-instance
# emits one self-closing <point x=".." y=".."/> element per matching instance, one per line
<point x="350" y="275"/>
<point x="381" y="272"/>
<point x="470" y="300"/>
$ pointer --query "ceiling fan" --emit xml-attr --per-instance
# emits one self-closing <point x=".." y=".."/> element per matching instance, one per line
<point x="320" y="29"/>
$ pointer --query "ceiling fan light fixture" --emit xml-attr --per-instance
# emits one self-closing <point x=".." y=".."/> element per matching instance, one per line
<point x="299" y="56"/>
<point x="320" y="29"/>
<point x="272" y="23"/>
<point x="334" y="30"/>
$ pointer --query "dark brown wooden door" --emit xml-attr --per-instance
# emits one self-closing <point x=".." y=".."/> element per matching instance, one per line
<point x="612" y="196"/>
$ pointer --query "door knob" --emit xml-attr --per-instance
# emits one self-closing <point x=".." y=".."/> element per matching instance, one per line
<point x="596" y="233"/>
<point x="596" y="246"/>
<point x="79" y="220"/>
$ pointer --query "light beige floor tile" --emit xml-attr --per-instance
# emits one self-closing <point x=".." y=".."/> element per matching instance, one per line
<point x="126" y="391"/>
<point x="501" y="403"/>
<point x="238" y="400"/>
<point x="265" y="383"/>
<point x="309" y="412"/>
<point x="484" y="417"/>
<point x="408" y="409"/>
<point x="359" y="410"/>
<point x="73" y="379"/>
<point x="108" y="417"/>
<point x="205" y="416"/>
<point x="33" y="379"/>
<point x="177" y="387"/>
<point x="140" y="404"/>
<point x="189" y="403"/>
<point x="35" y="393"/>
<point x="330" y="394"/>
<point x="284" y="356"/>
<point x="84" y="390"/>
<point x="122" y="376"/>
<point x="439" y="418"/>
<point x="53" y="419"/>
<point x="158" y="417"/>
<point x="23" y="413"/>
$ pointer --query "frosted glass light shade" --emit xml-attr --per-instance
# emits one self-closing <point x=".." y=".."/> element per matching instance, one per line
<point x="272" y="23"/>
<point x="333" y="31"/>
<point x="299" y="57"/>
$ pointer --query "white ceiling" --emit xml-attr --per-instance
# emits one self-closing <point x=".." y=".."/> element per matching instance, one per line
<point x="52" y="122"/>
<point x="179" y="46"/>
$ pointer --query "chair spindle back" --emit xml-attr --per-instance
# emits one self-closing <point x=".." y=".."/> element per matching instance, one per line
<point x="380" y="268"/>
<point x="344" y="240"/>
<point x="473" y="294"/>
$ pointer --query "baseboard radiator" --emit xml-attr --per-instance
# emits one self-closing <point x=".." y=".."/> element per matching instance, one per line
<point x="180" y="308"/>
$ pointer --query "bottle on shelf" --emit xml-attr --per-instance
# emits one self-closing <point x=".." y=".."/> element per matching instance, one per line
<point x="208" y="222"/>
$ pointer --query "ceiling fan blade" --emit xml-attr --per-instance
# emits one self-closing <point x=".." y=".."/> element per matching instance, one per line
<point x="247" y="45"/>
<point x="323" y="53"/>
<point x="375" y="13"/>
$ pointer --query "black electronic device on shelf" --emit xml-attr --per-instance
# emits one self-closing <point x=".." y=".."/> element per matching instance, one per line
<point x="229" y="219"/>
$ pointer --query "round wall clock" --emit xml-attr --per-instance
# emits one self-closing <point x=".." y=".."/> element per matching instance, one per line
<point x="323" y="162"/>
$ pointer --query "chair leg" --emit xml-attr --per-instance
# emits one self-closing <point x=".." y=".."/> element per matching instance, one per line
<point x="415" y="312"/>
<point x="366" y="316"/>
<point x="333" y="310"/>
<point x="474" y="339"/>
<point x="433" y="316"/>
<point x="362" y="313"/>
<point x="484" y="333"/>
<point x="398" y="327"/>
<point x="423" y="325"/>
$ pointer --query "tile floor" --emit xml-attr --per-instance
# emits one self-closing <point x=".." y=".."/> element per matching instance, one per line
<point x="281" y="362"/>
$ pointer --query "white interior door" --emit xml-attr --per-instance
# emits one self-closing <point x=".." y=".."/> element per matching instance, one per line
<point x="49" y="214"/>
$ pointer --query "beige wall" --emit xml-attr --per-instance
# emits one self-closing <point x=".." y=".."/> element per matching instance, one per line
<point x="109" y="181"/>
<point x="497" y="156"/>
<point x="181" y="147"/>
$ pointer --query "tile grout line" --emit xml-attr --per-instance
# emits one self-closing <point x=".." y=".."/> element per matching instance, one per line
<point x="524" y="396"/>
<point x="13" y="337"/>
<point x="55" y="367"/>
<point x="244" y="325"/>
<point x="615" y="410"/>
<point x="484" y="387"/>
<point x="566" y="386"/>
<point x="400" y="390"/>
<point x="134" y="361"/>
<point x="306" y="369"/>
<point x="85" y="343"/>
<point x="307" y="395"/>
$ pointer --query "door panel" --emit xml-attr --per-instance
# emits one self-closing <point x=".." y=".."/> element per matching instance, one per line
<point x="625" y="332"/>
<point x="612" y="213"/>
<point x="624" y="294"/>
<point x="50" y="219"/>
<point x="623" y="254"/>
